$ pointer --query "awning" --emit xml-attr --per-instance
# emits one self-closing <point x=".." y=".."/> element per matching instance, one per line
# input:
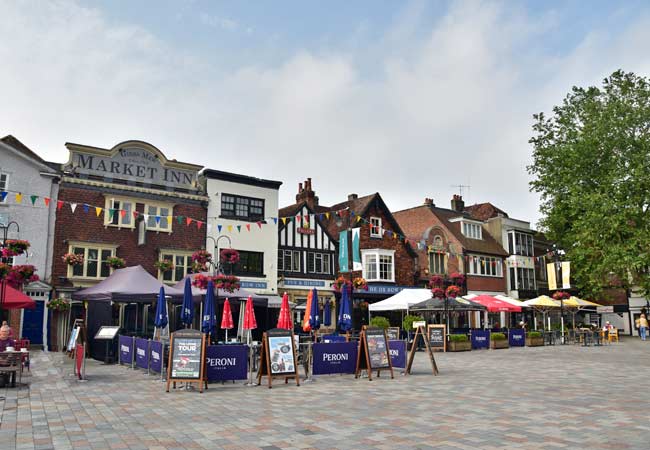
<point x="402" y="300"/>
<point x="495" y="305"/>
<point x="14" y="299"/>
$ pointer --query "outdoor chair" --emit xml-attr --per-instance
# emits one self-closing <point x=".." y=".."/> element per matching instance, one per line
<point x="613" y="335"/>
<point x="571" y="337"/>
<point x="10" y="363"/>
<point x="24" y="343"/>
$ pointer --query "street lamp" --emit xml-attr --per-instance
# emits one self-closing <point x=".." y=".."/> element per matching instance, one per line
<point x="556" y="260"/>
<point x="217" y="266"/>
<point x="3" y="283"/>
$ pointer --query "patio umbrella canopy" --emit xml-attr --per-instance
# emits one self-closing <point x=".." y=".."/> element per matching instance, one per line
<point x="403" y="300"/>
<point x="455" y="304"/>
<point x="209" y="324"/>
<point x="345" y="316"/>
<point x="495" y="305"/>
<point x="284" y="319"/>
<point x="327" y="314"/>
<point x="161" y="319"/>
<point x="187" y="309"/>
<point x="250" y="323"/>
<point x="314" y="318"/>
<point x="14" y="299"/>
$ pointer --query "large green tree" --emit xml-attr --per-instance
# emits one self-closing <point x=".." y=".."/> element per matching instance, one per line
<point x="591" y="166"/>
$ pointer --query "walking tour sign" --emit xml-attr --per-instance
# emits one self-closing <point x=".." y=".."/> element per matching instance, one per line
<point x="186" y="358"/>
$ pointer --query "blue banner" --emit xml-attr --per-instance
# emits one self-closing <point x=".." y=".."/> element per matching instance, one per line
<point x="338" y="357"/>
<point x="397" y="351"/>
<point x="480" y="339"/>
<point x="142" y="353"/>
<point x="332" y="338"/>
<point x="343" y="251"/>
<point x="126" y="349"/>
<point x="226" y="362"/>
<point x="517" y="337"/>
<point x="156" y="352"/>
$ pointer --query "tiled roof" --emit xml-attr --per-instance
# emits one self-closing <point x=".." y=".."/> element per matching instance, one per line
<point x="485" y="211"/>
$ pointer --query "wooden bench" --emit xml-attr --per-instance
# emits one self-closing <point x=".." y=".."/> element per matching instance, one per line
<point x="11" y="363"/>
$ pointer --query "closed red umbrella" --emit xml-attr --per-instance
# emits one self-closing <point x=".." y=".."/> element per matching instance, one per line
<point x="226" y="318"/>
<point x="14" y="299"/>
<point x="249" y="315"/>
<point x="284" y="320"/>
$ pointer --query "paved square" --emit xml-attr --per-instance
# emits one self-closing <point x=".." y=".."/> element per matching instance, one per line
<point x="559" y="397"/>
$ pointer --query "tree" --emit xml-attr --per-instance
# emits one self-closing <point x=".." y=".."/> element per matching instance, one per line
<point x="591" y="165"/>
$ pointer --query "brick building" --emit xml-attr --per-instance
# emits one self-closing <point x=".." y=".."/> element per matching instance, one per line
<point x="129" y="202"/>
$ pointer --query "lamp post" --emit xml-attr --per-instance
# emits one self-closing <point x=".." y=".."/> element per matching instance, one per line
<point x="3" y="283"/>
<point x="556" y="261"/>
<point x="217" y="266"/>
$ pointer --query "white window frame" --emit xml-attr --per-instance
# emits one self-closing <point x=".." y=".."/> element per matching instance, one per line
<point x="377" y="253"/>
<point x="375" y="227"/>
<point x="110" y="204"/>
<point x="88" y="246"/>
<point x="294" y="258"/>
<point x="163" y="218"/>
<point x="174" y="254"/>
<point x="526" y="243"/>
<point x="5" y="187"/>
<point x="472" y="230"/>
<point x="480" y="269"/>
<point x="325" y="259"/>
<point x="442" y="259"/>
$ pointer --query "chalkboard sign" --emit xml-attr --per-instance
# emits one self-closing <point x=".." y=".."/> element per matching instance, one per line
<point x="420" y="334"/>
<point x="373" y="352"/>
<point x="437" y="339"/>
<point x="392" y="333"/>
<point x="278" y="356"/>
<point x="186" y="357"/>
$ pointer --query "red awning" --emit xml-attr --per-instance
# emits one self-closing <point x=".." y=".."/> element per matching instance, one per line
<point x="495" y="305"/>
<point x="14" y="299"/>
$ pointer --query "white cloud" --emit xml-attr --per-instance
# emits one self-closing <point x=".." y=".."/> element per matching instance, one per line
<point x="218" y="22"/>
<point x="454" y="108"/>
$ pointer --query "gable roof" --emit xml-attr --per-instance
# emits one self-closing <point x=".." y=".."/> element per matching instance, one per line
<point x="21" y="148"/>
<point x="484" y="211"/>
<point x="292" y="210"/>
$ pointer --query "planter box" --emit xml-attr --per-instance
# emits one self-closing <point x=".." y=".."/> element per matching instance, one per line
<point x="453" y="346"/>
<point x="534" y="342"/>
<point x="494" y="345"/>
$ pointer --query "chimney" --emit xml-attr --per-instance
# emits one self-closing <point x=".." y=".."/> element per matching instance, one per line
<point x="428" y="202"/>
<point x="306" y="194"/>
<point x="457" y="203"/>
<point x="352" y="197"/>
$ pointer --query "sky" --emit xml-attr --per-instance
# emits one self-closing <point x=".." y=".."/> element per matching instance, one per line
<point x="408" y="99"/>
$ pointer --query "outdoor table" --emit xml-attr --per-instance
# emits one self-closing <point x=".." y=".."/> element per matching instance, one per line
<point x="24" y="356"/>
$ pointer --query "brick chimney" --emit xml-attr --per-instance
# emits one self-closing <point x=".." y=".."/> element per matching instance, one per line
<point x="306" y="194"/>
<point x="457" y="203"/>
<point x="428" y="202"/>
<point x="352" y="197"/>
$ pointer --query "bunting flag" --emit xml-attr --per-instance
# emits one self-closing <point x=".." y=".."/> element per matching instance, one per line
<point x="229" y="227"/>
<point x="275" y="220"/>
<point x="327" y="215"/>
<point x="188" y="221"/>
<point x="284" y="221"/>
<point x="19" y="198"/>
<point x="86" y="208"/>
<point x="59" y="205"/>
<point x="219" y="227"/>
<point x="157" y="220"/>
<point x="146" y="217"/>
<point x="3" y="195"/>
<point x="358" y="219"/>
<point x="46" y="200"/>
<point x="199" y="224"/>
<point x="122" y="213"/>
<point x="73" y="206"/>
<point x="239" y="228"/>
<point x="33" y="198"/>
<point x="179" y="219"/>
<point x="111" y="213"/>
<point x="98" y="210"/>
<point x="248" y="226"/>
<point x="135" y="214"/>
<point x="259" y="224"/>
<point x="169" y="219"/>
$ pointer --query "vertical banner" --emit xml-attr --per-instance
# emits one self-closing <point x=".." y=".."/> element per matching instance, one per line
<point x="142" y="353"/>
<point x="397" y="351"/>
<point x="550" y="272"/>
<point x="156" y="351"/>
<point x="517" y="337"/>
<point x="566" y="275"/>
<point x="356" y="254"/>
<point x="126" y="349"/>
<point x="343" y="251"/>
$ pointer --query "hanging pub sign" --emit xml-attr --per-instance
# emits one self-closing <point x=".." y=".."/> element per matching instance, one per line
<point x="186" y="358"/>
<point x="278" y="356"/>
<point x="373" y="353"/>
<point x="420" y="334"/>
<point x="392" y="333"/>
<point x="437" y="338"/>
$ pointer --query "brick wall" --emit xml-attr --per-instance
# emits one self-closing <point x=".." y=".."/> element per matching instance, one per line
<point x="494" y="284"/>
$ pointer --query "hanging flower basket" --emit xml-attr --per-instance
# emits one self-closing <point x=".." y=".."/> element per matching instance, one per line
<point x="561" y="295"/>
<point x="20" y="275"/>
<point x="229" y="256"/>
<point x="201" y="256"/>
<point x="164" y="265"/>
<point x="201" y="281"/>
<point x="198" y="267"/>
<point x="363" y="304"/>
<point x="360" y="284"/>
<point x="438" y="293"/>
<point x="116" y="263"/>
<point x="339" y="283"/>
<point x="453" y="291"/>
<point x="436" y="281"/>
<point x="72" y="259"/>
<point x="457" y="278"/>
<point x="14" y="247"/>
<point x="58" y="304"/>
<point x="4" y="270"/>
<point x="228" y="283"/>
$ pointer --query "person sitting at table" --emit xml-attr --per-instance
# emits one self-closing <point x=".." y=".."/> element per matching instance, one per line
<point x="11" y="330"/>
<point x="608" y="326"/>
<point x="5" y="340"/>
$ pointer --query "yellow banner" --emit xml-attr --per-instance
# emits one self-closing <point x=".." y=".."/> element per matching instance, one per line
<point x="566" y="275"/>
<point x="550" y="272"/>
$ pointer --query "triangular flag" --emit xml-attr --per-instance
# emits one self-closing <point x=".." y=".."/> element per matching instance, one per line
<point x="298" y="217"/>
<point x="86" y="208"/>
<point x="122" y="213"/>
<point x="98" y="210"/>
<point x="179" y="219"/>
<point x="320" y="217"/>
<point x="199" y="224"/>
<point x="19" y="198"/>
<point x="157" y="220"/>
<point x="306" y="217"/>
<point x="59" y="204"/>
<point x="259" y="224"/>
<point x="146" y="217"/>
<point x="33" y="198"/>
<point x="111" y="213"/>
<point x="169" y="219"/>
<point x="135" y="214"/>
<point x="219" y="227"/>
<point x="46" y="200"/>
<point x="188" y="221"/>
<point x="275" y="220"/>
<point x="3" y="195"/>
<point x="284" y="220"/>
<point x="248" y="226"/>
<point x="358" y="219"/>
<point x="327" y="215"/>
<point x="73" y="206"/>
<point x="229" y="227"/>
<point x="239" y="228"/>
<point x="351" y="213"/>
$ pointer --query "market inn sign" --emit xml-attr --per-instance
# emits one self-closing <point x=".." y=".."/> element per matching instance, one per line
<point x="132" y="161"/>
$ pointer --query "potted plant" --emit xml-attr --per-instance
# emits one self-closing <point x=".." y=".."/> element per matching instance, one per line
<point x="73" y="259"/>
<point x="561" y="295"/>
<point x="164" y="265"/>
<point x="453" y="291"/>
<point x="229" y="283"/>
<point x="229" y="256"/>
<point x="201" y="281"/>
<point x="14" y="247"/>
<point x="498" y="340"/>
<point x="4" y="270"/>
<point x="379" y="322"/>
<point x="459" y="343"/>
<point x="437" y="292"/>
<point x="436" y="281"/>
<point x="534" y="339"/>
<point x="115" y="263"/>
<point x="58" y="304"/>
<point x="200" y="260"/>
<point x="457" y="278"/>
<point x="339" y="283"/>
<point x="360" y="284"/>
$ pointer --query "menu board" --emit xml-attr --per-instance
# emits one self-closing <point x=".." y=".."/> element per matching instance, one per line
<point x="107" y="332"/>
<point x="281" y="352"/>
<point x="392" y="333"/>
<point x="436" y="337"/>
<point x="186" y="355"/>
<point x="378" y="355"/>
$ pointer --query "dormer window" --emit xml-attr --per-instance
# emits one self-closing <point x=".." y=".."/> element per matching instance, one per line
<point x="375" y="227"/>
<point x="472" y="230"/>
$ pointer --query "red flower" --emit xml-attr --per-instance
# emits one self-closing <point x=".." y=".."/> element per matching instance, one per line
<point x="453" y="291"/>
<point x="436" y="281"/>
<point x="438" y="293"/>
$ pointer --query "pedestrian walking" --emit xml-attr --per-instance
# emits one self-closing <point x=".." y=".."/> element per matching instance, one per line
<point x="643" y="326"/>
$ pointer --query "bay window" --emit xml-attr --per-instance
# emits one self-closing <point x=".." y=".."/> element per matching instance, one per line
<point x="378" y="265"/>
<point x="485" y="265"/>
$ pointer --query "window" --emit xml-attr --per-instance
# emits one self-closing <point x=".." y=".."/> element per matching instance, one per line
<point x="437" y="263"/>
<point x="157" y="217"/>
<point x="472" y="230"/>
<point x="486" y="266"/>
<point x="4" y="185"/>
<point x="182" y="262"/>
<point x="289" y="260"/>
<point x="239" y="207"/>
<point x="437" y="242"/>
<point x="520" y="243"/>
<point x="119" y="218"/>
<point x="318" y="263"/>
<point x="513" y="279"/>
<point x="378" y="265"/>
<point x="375" y="227"/>
<point x="525" y="279"/>
<point x="94" y="265"/>
<point x="250" y="263"/>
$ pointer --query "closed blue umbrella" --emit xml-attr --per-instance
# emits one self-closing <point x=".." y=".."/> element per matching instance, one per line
<point x="161" y="310"/>
<point x="187" y="309"/>
<point x="209" y="324"/>
<point x="345" y="315"/>
<point x="314" y="318"/>
<point x="327" y="314"/>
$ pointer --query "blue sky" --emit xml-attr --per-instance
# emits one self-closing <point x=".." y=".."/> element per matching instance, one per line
<point x="403" y="98"/>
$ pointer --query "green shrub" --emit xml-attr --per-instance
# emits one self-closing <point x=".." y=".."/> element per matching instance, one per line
<point x="408" y="321"/>
<point x="458" y="338"/>
<point x="497" y="337"/>
<point x="379" y="322"/>
<point x="534" y="334"/>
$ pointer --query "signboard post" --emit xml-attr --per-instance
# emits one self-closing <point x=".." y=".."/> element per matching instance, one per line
<point x="373" y="352"/>
<point x="437" y="337"/>
<point x="278" y="356"/>
<point x="186" y="358"/>
<point x="419" y="333"/>
<point x="392" y="333"/>
<point x="106" y="333"/>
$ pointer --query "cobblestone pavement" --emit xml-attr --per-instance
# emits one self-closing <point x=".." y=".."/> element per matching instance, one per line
<point x="525" y="398"/>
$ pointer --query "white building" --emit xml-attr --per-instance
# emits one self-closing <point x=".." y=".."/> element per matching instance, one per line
<point x="24" y="172"/>
<point x="242" y="214"/>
